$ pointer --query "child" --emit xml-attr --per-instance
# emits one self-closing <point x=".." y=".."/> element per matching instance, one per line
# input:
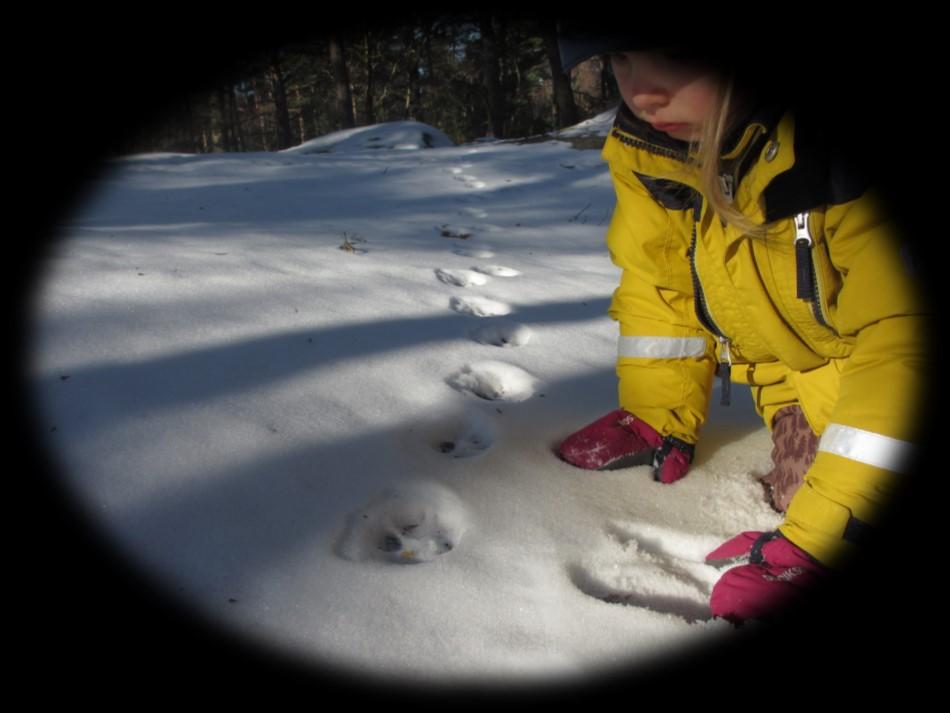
<point x="752" y="253"/>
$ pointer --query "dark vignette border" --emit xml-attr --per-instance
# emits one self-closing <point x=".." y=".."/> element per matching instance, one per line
<point x="92" y="629"/>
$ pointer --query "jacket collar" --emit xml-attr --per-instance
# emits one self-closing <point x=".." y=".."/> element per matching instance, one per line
<point x="809" y="170"/>
<point x="756" y="122"/>
<point x="823" y="172"/>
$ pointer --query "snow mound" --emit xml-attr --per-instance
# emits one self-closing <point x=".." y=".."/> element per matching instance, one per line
<point x="599" y="125"/>
<point x="396" y="135"/>
<point x="156" y="156"/>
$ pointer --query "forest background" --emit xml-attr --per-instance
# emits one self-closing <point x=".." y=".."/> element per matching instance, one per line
<point x="472" y="75"/>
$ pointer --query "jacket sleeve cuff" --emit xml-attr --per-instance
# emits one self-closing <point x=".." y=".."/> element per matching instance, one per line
<point x="817" y="525"/>
<point x="839" y="506"/>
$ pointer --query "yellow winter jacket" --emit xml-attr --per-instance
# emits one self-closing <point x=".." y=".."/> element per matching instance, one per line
<point x="824" y="312"/>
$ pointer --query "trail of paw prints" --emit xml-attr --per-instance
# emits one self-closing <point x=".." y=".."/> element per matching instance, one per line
<point x="487" y="380"/>
<point x="411" y="524"/>
<point x="469" y="181"/>
<point x="473" y="184"/>
<point x="501" y="334"/>
<point x="495" y="332"/>
<point x="478" y="275"/>
<point x="653" y="568"/>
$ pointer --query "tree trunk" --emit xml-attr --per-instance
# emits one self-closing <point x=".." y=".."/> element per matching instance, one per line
<point x="341" y="80"/>
<point x="279" y="91"/>
<point x="369" y="108"/>
<point x="193" y="126"/>
<point x="411" y="55"/>
<point x="225" y="96"/>
<point x="303" y="115"/>
<point x="261" y="141"/>
<point x="564" y="105"/>
<point x="491" y="75"/>
<point x="237" y="119"/>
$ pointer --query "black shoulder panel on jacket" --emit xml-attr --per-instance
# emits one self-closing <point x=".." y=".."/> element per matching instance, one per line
<point x="823" y="174"/>
<point x="669" y="194"/>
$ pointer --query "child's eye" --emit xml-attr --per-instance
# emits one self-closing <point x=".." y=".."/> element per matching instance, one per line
<point x="618" y="61"/>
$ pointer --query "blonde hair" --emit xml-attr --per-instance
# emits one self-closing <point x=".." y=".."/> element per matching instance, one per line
<point x="705" y="153"/>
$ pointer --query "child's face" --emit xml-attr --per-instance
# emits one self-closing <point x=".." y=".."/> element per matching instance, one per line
<point x="662" y="89"/>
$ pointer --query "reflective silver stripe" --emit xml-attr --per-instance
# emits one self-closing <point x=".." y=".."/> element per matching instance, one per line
<point x="866" y="447"/>
<point x="661" y="347"/>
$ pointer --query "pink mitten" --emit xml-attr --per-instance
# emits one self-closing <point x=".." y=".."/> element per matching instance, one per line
<point x="775" y="573"/>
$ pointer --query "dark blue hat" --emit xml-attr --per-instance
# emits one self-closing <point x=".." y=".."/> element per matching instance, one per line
<point x="576" y="49"/>
<point x="581" y="39"/>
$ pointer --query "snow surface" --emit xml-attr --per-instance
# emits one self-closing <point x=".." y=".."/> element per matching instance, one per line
<point x="316" y="396"/>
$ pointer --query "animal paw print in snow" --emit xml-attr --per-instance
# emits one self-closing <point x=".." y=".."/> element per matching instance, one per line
<point x="415" y="542"/>
<point x="414" y="524"/>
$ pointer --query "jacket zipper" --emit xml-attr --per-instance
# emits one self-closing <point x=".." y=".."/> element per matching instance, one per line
<point x="807" y="274"/>
<point x="646" y="146"/>
<point x="728" y="182"/>
<point x="724" y="369"/>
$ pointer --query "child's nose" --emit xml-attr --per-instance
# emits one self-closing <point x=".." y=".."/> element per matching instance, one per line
<point x="647" y="97"/>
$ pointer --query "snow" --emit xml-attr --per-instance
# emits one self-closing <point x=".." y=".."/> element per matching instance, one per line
<point x="495" y="381"/>
<point x="272" y="425"/>
<point x="461" y="278"/>
<point x="599" y="125"/>
<point x="399" y="135"/>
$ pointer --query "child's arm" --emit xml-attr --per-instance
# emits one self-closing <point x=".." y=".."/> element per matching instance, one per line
<point x="666" y="361"/>
<point x="866" y="450"/>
